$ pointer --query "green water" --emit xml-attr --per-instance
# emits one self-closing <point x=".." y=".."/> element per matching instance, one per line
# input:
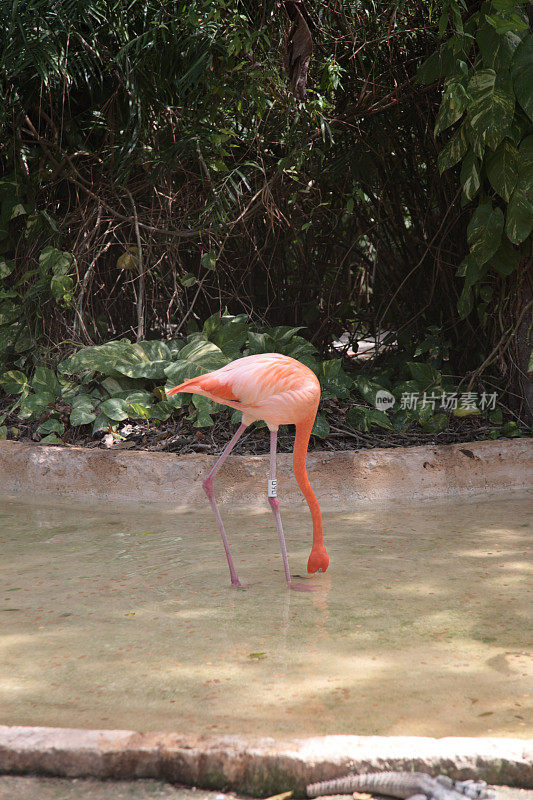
<point x="123" y="617"/>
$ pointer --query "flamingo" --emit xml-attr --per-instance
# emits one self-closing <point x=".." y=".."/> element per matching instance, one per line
<point x="281" y="391"/>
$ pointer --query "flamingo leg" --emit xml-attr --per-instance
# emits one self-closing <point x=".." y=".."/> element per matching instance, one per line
<point x="208" y="487"/>
<point x="274" y="503"/>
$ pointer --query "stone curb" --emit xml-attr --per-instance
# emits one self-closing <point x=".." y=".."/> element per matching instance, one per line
<point x="257" y="767"/>
<point x="339" y="478"/>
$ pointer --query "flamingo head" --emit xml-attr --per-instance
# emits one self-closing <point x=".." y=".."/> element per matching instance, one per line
<point x="318" y="560"/>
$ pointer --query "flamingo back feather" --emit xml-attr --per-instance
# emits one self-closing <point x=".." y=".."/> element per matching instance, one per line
<point x="268" y="386"/>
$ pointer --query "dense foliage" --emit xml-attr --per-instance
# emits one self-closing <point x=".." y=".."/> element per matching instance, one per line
<point x="157" y="169"/>
<point x="101" y="386"/>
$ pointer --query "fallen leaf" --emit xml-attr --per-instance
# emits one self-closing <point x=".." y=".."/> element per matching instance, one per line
<point x="299" y="47"/>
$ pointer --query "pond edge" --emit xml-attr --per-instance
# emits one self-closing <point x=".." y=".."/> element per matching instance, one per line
<point x="339" y="478"/>
<point x="255" y="766"/>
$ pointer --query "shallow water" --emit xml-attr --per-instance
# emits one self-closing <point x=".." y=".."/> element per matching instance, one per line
<point x="123" y="617"/>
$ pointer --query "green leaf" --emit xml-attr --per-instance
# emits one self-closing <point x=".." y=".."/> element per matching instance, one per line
<point x="228" y="332"/>
<point x="453" y="151"/>
<point x="203" y="420"/>
<point x="51" y="426"/>
<point x="141" y="396"/>
<point x="115" y="409"/>
<point x="3" y="431"/>
<point x="334" y="382"/>
<point x="503" y="24"/>
<point x="496" y="416"/>
<point x="139" y="411"/>
<point x="162" y="410"/>
<point x="188" y="279"/>
<point x="430" y="70"/>
<point x="362" y="418"/>
<point x="147" y="359"/>
<point x="52" y="438"/>
<point x="401" y="420"/>
<point x="101" y="423"/>
<point x="321" y="427"/>
<point x="209" y="260"/>
<point x="405" y="387"/>
<point x="519" y="222"/>
<point x="445" y="61"/>
<point x="118" y="386"/>
<point x="175" y="345"/>
<point x="61" y="287"/>
<point x="82" y="410"/>
<point x="496" y="50"/>
<point x="356" y="418"/>
<point x="470" y="175"/>
<point x="33" y="406"/>
<point x="6" y="268"/>
<point x="502" y="169"/>
<point x="376" y="417"/>
<point x="299" y="348"/>
<point x="425" y="412"/>
<point x="424" y="374"/>
<point x="476" y="142"/>
<point x="466" y="265"/>
<point x="154" y="350"/>
<point x="511" y="430"/>
<point x="475" y="271"/>
<point x="204" y="404"/>
<point x="100" y="358"/>
<point x="465" y="302"/>
<point x="465" y="411"/>
<point x="367" y="388"/>
<point x="45" y="379"/>
<point x="506" y="258"/>
<point x="69" y="389"/>
<point x="56" y="261"/>
<point x="484" y="232"/>
<point x="13" y="382"/>
<point x="522" y="74"/>
<point x="259" y="343"/>
<point x="491" y="108"/>
<point x="452" y="106"/>
<point x="195" y="359"/>
<point x="436" y="423"/>
<point x="519" y="128"/>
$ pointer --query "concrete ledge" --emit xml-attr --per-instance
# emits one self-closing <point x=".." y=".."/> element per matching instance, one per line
<point x="338" y="478"/>
<point x="256" y="766"/>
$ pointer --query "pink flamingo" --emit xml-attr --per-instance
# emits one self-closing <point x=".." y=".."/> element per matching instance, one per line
<point x="281" y="391"/>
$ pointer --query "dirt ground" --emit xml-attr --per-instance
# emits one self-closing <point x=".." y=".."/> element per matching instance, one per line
<point x="180" y="436"/>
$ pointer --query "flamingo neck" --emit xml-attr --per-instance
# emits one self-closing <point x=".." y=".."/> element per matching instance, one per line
<point x="301" y="443"/>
